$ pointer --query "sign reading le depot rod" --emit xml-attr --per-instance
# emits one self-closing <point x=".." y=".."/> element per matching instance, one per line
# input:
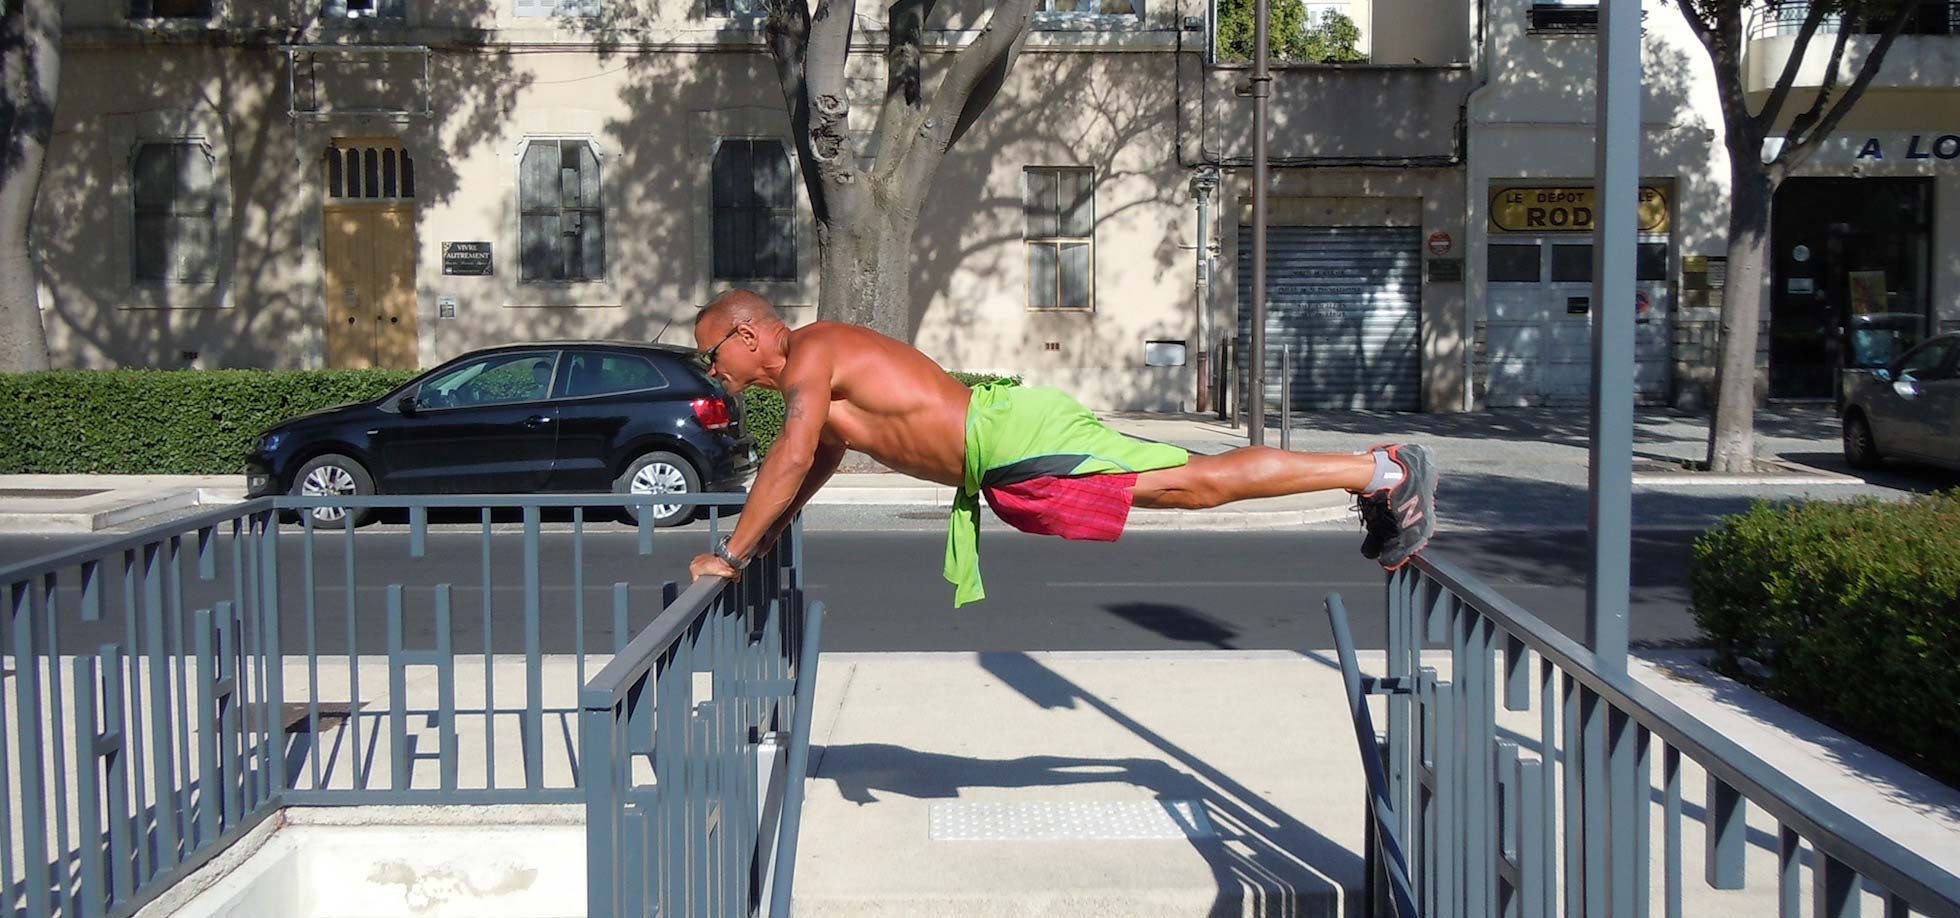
<point x="1535" y="209"/>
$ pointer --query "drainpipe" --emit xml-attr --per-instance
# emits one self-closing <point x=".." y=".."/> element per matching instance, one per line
<point x="1256" y="363"/>
<point x="1203" y="183"/>
<point x="1480" y="15"/>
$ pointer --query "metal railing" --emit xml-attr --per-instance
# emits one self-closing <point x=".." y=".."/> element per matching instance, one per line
<point x="1786" y="17"/>
<point x="1499" y="821"/>
<point x="703" y="836"/>
<point x="172" y="688"/>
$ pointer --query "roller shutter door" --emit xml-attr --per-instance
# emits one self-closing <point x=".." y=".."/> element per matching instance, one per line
<point x="1348" y="300"/>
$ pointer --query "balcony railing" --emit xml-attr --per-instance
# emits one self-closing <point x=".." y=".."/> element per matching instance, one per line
<point x="1786" y="17"/>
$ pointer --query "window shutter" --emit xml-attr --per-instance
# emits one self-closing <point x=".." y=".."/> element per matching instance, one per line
<point x="333" y="9"/>
<point x="1075" y="280"/>
<point x="538" y="175"/>
<point x="1042" y="269"/>
<point x="592" y="247"/>
<point x="539" y="240"/>
<point x="588" y="172"/>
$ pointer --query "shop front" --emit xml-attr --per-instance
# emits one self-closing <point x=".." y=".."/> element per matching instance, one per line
<point x="1851" y="278"/>
<point x="1539" y="263"/>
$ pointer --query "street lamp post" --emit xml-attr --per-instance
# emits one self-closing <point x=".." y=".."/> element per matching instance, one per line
<point x="1256" y="358"/>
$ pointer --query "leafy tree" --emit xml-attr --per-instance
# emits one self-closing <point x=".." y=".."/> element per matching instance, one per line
<point x="1293" y="35"/>
<point x="1720" y="26"/>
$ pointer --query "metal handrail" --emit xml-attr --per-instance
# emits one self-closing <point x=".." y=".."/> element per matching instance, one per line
<point x="1480" y="819"/>
<point x="149" y="677"/>
<point x="1387" y="841"/>
<point x="1829" y="829"/>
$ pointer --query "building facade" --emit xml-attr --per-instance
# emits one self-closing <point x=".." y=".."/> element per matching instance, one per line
<point x="324" y="183"/>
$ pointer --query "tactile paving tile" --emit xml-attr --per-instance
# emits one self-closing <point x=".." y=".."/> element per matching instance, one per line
<point x="1067" y="820"/>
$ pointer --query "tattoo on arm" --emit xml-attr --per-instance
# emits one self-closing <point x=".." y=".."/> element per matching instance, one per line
<point x="793" y="403"/>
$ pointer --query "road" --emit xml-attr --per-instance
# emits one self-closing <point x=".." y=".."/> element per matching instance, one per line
<point x="1151" y="591"/>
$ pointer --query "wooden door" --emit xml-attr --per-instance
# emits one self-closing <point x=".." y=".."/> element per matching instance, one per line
<point x="369" y="253"/>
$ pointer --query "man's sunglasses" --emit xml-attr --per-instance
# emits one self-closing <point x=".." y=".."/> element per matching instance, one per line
<point x="706" y="359"/>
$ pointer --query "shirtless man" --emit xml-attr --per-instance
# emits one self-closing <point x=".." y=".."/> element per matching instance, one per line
<point x="1044" y="462"/>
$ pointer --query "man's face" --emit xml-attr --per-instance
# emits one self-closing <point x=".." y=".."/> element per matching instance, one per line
<point x="726" y="354"/>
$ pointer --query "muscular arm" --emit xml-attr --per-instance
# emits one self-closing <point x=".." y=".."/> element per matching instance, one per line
<point x="829" y="456"/>
<point x="786" y="479"/>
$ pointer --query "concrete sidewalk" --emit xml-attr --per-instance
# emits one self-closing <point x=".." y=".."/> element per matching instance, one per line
<point x="1201" y="784"/>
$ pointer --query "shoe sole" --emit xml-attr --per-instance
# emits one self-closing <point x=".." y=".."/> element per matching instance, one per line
<point x="1393" y="449"/>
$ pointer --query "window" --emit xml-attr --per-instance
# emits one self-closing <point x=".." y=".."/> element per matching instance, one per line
<point x="602" y="374"/>
<point x="1572" y="16"/>
<point x="370" y="172"/>
<point x="563" y="224"/>
<point x="735" y="8"/>
<point x="755" y="212"/>
<point x="571" y="8"/>
<point x="1572" y="264"/>
<point x="364" y="10"/>
<point x="1059" y="205"/>
<point x="1070" y="9"/>
<point x="495" y="380"/>
<point x="1513" y="263"/>
<point x="169" y="9"/>
<point x="1650" y="261"/>
<point x="1927" y="363"/>
<point x="175" y="238"/>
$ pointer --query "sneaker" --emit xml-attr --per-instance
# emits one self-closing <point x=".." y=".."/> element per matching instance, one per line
<point x="1398" y="520"/>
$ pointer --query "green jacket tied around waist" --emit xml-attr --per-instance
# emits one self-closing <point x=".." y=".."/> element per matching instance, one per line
<point x="1016" y="433"/>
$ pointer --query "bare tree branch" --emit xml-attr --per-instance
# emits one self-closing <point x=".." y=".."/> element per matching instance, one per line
<point x="1773" y="109"/>
<point x="1006" y="28"/>
<point x="988" y="87"/>
<point x="1796" y="154"/>
<point x="829" y="99"/>
<point x="1805" y="121"/>
<point x="904" y="75"/>
<point x="788" y="29"/>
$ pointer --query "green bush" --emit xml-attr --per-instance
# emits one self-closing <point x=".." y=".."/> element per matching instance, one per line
<point x="763" y="408"/>
<point x="1849" y="611"/>
<point x="161" y="421"/>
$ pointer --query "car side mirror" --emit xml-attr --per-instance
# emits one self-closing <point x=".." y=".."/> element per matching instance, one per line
<point x="408" y="405"/>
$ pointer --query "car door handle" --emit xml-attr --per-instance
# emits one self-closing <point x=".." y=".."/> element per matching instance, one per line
<point x="537" y="420"/>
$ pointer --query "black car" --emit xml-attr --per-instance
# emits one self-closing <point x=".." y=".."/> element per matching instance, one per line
<point x="585" y="416"/>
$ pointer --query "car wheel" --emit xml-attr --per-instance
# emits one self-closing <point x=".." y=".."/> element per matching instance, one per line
<point x="334" y="475"/>
<point x="1860" y="450"/>
<point x="660" y="473"/>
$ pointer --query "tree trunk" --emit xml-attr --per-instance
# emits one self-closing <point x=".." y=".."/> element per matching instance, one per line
<point x="30" y="69"/>
<point x="867" y="273"/>
<point x="1732" y="440"/>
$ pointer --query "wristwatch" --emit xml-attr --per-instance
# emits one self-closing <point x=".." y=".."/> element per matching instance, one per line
<point x="722" y="552"/>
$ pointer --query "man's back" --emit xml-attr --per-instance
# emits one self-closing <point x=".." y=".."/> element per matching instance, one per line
<point x="888" y="400"/>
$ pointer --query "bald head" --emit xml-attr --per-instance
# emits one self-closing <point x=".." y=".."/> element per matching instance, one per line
<point x="735" y="308"/>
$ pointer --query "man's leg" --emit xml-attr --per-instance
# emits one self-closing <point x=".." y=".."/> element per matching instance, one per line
<point x="1249" y="472"/>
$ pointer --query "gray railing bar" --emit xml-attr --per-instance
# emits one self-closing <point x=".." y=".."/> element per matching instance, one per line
<point x="168" y="818"/>
<point x="33" y="792"/>
<point x="1789" y="873"/>
<point x="1381" y="808"/>
<point x="1829" y="829"/>
<point x="533" y="732"/>
<point x="133" y="723"/>
<point x="275" y="649"/>
<point x="1671" y="832"/>
<point x="445" y="689"/>
<point x="135" y="541"/>
<point x="397" y="693"/>
<point x="57" y="704"/>
<point x="312" y="649"/>
<point x="798" y="764"/>
<point x="489" y="666"/>
<point x="609" y="684"/>
<point x="1728" y="833"/>
<point x="578" y="592"/>
<point x="482" y="501"/>
<point x="357" y="763"/>
<point x="94" y="892"/>
<point x="113" y="745"/>
<point x="1548" y="745"/>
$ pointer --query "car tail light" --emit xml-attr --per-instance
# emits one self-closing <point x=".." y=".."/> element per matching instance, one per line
<point x="711" y="412"/>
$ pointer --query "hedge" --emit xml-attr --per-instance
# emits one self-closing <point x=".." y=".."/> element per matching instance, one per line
<point x="763" y="408"/>
<point x="1849" y="611"/>
<point x="202" y="422"/>
<point x="188" y="422"/>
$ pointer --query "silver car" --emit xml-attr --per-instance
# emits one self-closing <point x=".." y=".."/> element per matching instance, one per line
<point x="1909" y="409"/>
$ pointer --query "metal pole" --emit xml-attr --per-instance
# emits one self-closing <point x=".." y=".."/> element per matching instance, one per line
<point x="1610" y="479"/>
<point x="1256" y="361"/>
<point x="1203" y="183"/>
<point x="1286" y="397"/>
